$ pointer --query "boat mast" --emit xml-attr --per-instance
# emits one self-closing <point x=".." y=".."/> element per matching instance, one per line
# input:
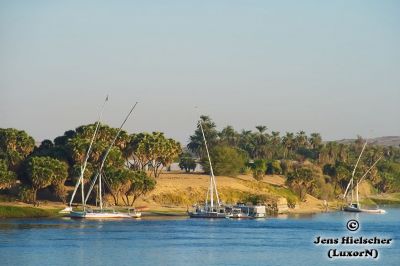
<point x="365" y="174"/>
<point x="353" y="173"/>
<point x="99" y="173"/>
<point x="212" y="177"/>
<point x="83" y="168"/>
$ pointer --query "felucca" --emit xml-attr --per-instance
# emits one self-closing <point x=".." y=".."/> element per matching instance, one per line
<point x="209" y="209"/>
<point x="101" y="213"/>
<point x="355" y="206"/>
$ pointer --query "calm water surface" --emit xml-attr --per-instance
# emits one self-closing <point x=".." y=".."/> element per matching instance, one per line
<point x="273" y="241"/>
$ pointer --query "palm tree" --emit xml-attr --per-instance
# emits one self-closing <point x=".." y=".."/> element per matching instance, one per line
<point x="315" y="140"/>
<point x="196" y="144"/>
<point x="288" y="143"/>
<point x="261" y="129"/>
<point x="301" y="139"/>
<point x="229" y="136"/>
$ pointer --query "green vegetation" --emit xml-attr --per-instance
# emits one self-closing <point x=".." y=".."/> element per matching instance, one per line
<point x="43" y="172"/>
<point x="26" y="212"/>
<point x="151" y="150"/>
<point x="7" y="178"/>
<point x="322" y="169"/>
<point x="129" y="171"/>
<point x="258" y="167"/>
<point x="187" y="162"/>
<point x="312" y="166"/>
<point x="225" y="160"/>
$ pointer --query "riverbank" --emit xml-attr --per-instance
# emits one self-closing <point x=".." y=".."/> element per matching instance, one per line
<point x="27" y="212"/>
<point x="176" y="192"/>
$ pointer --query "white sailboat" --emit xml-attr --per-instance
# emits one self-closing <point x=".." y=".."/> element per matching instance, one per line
<point x="209" y="209"/>
<point x="355" y="206"/>
<point x="83" y="168"/>
<point x="100" y="213"/>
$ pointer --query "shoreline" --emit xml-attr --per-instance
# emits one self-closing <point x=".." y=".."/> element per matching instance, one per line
<point x="18" y="212"/>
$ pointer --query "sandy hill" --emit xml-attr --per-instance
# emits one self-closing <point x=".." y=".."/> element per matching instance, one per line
<point x="381" y="141"/>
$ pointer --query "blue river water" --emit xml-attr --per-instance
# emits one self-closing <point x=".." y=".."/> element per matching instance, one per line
<point x="284" y="240"/>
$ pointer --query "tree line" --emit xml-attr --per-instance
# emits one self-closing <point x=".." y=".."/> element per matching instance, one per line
<point x="131" y="168"/>
<point x="322" y="168"/>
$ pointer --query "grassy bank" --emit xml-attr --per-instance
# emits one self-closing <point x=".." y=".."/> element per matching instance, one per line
<point x="391" y="198"/>
<point x="26" y="212"/>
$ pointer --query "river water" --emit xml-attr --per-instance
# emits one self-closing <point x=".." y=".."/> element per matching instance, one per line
<point x="280" y="240"/>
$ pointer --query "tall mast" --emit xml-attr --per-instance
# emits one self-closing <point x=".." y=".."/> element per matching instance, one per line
<point x="353" y="173"/>
<point x="99" y="173"/>
<point x="365" y="174"/>
<point x="83" y="168"/>
<point x="212" y="177"/>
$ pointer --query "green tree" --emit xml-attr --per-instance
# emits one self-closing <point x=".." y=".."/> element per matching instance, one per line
<point x="196" y="143"/>
<point x="15" y="146"/>
<point x="274" y="168"/>
<point x="140" y="185"/>
<point x="45" y="171"/>
<point x="315" y="140"/>
<point x="288" y="144"/>
<point x="225" y="160"/>
<point x="118" y="181"/>
<point x="187" y="162"/>
<point x="228" y="136"/>
<point x="301" y="140"/>
<point x="156" y="151"/>
<point x="258" y="168"/>
<point x="261" y="143"/>
<point x="301" y="180"/>
<point x="7" y="178"/>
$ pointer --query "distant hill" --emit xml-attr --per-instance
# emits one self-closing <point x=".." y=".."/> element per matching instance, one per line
<point x="382" y="141"/>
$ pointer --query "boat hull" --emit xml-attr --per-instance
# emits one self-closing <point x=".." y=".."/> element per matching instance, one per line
<point x="102" y="215"/>
<point x="354" y="209"/>
<point x="351" y="209"/>
<point x="207" y="215"/>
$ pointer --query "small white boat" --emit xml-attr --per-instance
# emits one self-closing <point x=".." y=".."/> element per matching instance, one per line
<point x="208" y="212"/>
<point x="243" y="211"/>
<point x="357" y="208"/>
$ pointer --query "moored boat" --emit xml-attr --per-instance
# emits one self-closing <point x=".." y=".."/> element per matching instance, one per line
<point x="207" y="212"/>
<point x="100" y="213"/>
<point x="104" y="214"/>
<point x="356" y="207"/>
<point x="209" y="209"/>
<point x="243" y="211"/>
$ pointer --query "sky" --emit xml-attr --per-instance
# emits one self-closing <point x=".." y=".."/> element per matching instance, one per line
<point x="331" y="67"/>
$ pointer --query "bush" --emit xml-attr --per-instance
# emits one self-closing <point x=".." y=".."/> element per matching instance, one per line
<point x="225" y="160"/>
<point x="274" y="168"/>
<point x="26" y="194"/>
<point x="258" y="168"/>
<point x="187" y="162"/>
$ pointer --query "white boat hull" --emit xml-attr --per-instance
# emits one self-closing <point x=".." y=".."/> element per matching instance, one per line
<point x="355" y="209"/>
<point x="103" y="215"/>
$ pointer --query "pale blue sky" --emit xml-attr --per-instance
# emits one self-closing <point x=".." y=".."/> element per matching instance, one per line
<point x="327" y="66"/>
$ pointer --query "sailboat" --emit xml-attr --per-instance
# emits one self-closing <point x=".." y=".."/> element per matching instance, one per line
<point x="209" y="209"/>
<point x="80" y="181"/>
<point x="355" y="206"/>
<point x="101" y="213"/>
